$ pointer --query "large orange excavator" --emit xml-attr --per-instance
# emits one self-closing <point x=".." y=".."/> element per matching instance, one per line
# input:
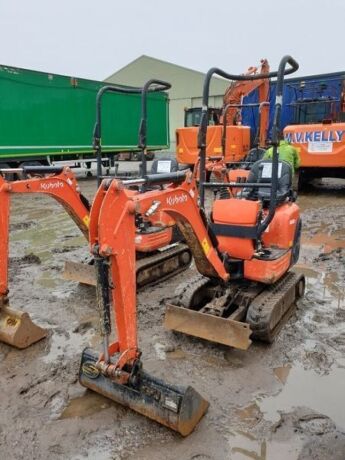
<point x="229" y="142"/>
<point x="243" y="253"/>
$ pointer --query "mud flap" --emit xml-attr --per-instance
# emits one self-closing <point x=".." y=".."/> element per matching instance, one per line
<point x="214" y="328"/>
<point x="17" y="329"/>
<point x="179" y="408"/>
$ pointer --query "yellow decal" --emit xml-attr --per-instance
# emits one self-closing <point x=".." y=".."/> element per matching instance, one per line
<point x="11" y="321"/>
<point x="180" y="150"/>
<point x="205" y="246"/>
<point x="217" y="150"/>
<point x="86" y="220"/>
<point x="298" y="149"/>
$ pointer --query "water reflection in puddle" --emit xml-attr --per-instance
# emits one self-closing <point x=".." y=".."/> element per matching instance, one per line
<point x="88" y="404"/>
<point x="306" y="388"/>
<point x="244" y="446"/>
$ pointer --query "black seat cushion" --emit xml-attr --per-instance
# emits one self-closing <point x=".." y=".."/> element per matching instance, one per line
<point x="261" y="172"/>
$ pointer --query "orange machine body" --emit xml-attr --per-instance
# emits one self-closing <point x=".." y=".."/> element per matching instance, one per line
<point x="319" y="145"/>
<point x="237" y="143"/>
<point x="244" y="213"/>
<point x="230" y="139"/>
<point x="280" y="235"/>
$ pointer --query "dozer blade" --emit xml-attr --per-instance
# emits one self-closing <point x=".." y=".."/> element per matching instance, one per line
<point x="179" y="408"/>
<point x="80" y="272"/>
<point x="17" y="329"/>
<point x="151" y="269"/>
<point x="214" y="328"/>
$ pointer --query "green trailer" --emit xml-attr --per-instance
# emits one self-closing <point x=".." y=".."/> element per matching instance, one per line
<point x="48" y="118"/>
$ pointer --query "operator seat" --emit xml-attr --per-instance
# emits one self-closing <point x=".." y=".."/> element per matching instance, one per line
<point x="261" y="172"/>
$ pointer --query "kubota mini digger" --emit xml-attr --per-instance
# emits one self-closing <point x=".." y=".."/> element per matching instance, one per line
<point x="243" y="253"/>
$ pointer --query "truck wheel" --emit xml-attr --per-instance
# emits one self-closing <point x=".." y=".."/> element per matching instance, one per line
<point x="22" y="176"/>
<point x="150" y="156"/>
<point x="7" y="176"/>
<point x="136" y="156"/>
<point x="301" y="180"/>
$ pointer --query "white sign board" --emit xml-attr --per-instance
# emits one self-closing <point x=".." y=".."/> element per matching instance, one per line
<point x="320" y="147"/>
<point x="164" y="166"/>
<point x="267" y="170"/>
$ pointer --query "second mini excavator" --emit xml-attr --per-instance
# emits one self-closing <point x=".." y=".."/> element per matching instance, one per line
<point x="160" y="251"/>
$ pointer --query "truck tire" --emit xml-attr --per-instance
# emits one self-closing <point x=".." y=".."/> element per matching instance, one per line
<point x="150" y="156"/>
<point x="22" y="176"/>
<point x="8" y="176"/>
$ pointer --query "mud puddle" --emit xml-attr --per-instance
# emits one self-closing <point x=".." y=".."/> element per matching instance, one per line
<point x="245" y="446"/>
<point x="62" y="346"/>
<point x="86" y="405"/>
<point x="306" y="388"/>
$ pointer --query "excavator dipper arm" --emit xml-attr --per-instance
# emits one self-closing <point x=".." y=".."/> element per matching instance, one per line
<point x="117" y="372"/>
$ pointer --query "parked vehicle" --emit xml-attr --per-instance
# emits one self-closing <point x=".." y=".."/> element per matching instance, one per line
<point x="47" y="118"/>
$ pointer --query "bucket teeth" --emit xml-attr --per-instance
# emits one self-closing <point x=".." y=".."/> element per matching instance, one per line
<point x="17" y="328"/>
<point x="179" y="408"/>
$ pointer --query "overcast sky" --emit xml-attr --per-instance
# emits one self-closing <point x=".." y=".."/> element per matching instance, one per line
<point x="94" y="38"/>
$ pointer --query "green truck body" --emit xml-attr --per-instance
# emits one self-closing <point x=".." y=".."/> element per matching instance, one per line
<point x="49" y="116"/>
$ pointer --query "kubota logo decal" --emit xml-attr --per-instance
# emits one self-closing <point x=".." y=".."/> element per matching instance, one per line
<point x="90" y="370"/>
<point x="176" y="199"/>
<point x="51" y="185"/>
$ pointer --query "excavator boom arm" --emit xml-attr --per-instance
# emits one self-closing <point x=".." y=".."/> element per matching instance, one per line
<point x="112" y="232"/>
<point x="236" y="91"/>
<point x="62" y="187"/>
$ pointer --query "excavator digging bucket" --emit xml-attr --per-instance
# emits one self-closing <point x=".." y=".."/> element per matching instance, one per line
<point x="17" y="329"/>
<point x="179" y="408"/>
<point x="80" y="272"/>
<point x="213" y="328"/>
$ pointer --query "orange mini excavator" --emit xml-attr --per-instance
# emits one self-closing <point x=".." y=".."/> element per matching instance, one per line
<point x="228" y="142"/>
<point x="160" y="251"/>
<point x="157" y="256"/>
<point x="243" y="253"/>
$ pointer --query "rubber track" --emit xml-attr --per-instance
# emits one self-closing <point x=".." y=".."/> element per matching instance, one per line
<point x="153" y="262"/>
<point x="185" y="291"/>
<point x="267" y="312"/>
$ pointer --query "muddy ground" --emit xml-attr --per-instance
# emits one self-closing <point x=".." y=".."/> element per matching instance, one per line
<point x="284" y="401"/>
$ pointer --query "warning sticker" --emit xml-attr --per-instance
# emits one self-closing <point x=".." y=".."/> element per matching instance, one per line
<point x="205" y="246"/>
<point x="320" y="147"/>
<point x="86" y="220"/>
<point x="267" y="170"/>
<point x="164" y="166"/>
